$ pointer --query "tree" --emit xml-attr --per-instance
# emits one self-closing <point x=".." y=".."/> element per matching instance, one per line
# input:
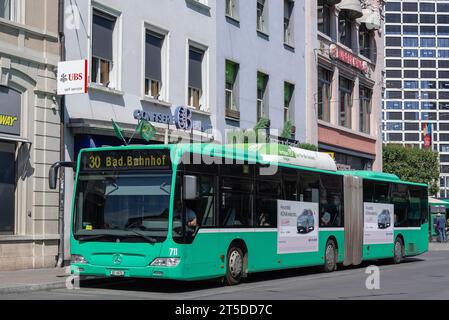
<point x="413" y="164"/>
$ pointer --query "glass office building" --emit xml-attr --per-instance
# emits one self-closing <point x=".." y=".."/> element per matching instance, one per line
<point x="417" y="77"/>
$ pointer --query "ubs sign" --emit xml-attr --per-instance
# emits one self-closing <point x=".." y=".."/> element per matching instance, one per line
<point x="10" y="111"/>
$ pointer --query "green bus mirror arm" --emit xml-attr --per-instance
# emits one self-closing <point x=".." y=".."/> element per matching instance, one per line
<point x="53" y="172"/>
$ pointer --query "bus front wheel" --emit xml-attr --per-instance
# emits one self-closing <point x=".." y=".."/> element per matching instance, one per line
<point x="398" y="251"/>
<point x="234" y="266"/>
<point x="330" y="257"/>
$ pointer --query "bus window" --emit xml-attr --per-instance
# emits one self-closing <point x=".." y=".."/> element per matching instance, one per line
<point x="331" y="201"/>
<point x="310" y="187"/>
<point x="235" y="203"/>
<point x="414" y="213"/>
<point x="368" y="191"/>
<point x="381" y="192"/>
<point x="267" y="195"/>
<point x="400" y="199"/>
<point x="376" y="191"/>
<point x="290" y="184"/>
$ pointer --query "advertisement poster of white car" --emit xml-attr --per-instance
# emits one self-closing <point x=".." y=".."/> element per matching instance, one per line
<point x="378" y="223"/>
<point x="297" y="227"/>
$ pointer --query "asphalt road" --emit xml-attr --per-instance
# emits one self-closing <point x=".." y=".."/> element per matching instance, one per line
<point x="422" y="277"/>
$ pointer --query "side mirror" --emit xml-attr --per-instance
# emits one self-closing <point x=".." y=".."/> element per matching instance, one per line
<point x="190" y="187"/>
<point x="53" y="172"/>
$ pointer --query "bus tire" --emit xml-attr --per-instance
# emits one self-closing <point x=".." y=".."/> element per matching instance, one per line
<point x="398" y="253"/>
<point x="330" y="256"/>
<point x="234" y="266"/>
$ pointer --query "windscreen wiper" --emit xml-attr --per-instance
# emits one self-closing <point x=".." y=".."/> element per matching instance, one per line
<point x="149" y="239"/>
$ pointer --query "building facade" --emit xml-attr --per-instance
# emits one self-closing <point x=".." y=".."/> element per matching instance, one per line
<point x="261" y="65"/>
<point x="230" y="63"/>
<point x="345" y="81"/>
<point x="416" y="102"/>
<point x="29" y="133"/>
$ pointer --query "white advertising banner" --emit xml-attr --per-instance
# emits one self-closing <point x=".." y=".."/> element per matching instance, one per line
<point x="72" y="77"/>
<point x="378" y="223"/>
<point x="297" y="227"/>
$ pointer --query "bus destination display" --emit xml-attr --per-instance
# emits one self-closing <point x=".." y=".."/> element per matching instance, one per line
<point x="125" y="160"/>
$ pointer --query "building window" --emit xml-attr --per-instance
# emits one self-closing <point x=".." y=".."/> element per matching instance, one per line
<point x="262" y="96"/>
<point x="365" y="110"/>
<point x="324" y="93"/>
<point x="232" y="70"/>
<point x="103" y="48"/>
<point x="6" y="9"/>
<point x="289" y="89"/>
<point x="262" y="16"/>
<point x="345" y="29"/>
<point x="232" y="9"/>
<point x="345" y="88"/>
<point x="365" y="41"/>
<point x="195" y="86"/>
<point x="288" y="22"/>
<point x="153" y="64"/>
<point x="324" y="17"/>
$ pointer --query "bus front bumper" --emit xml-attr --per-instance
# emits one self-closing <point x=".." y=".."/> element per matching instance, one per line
<point x="174" y="273"/>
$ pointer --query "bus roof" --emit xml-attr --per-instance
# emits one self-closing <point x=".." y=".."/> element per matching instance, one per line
<point x="381" y="176"/>
<point x="268" y="152"/>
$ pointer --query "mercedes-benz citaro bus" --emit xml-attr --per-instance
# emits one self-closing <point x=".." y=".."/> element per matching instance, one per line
<point x="200" y="211"/>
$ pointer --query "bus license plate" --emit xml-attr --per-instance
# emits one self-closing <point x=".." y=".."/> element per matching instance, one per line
<point x="117" y="273"/>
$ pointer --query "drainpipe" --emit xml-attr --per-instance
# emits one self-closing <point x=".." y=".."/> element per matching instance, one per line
<point x="62" y="54"/>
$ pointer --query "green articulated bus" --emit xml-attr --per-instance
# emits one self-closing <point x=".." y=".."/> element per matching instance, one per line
<point x="203" y="211"/>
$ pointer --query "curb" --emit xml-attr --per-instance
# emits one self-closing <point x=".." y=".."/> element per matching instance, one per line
<point x="33" y="287"/>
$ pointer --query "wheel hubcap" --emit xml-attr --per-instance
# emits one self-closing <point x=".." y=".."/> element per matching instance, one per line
<point x="398" y="250"/>
<point x="235" y="264"/>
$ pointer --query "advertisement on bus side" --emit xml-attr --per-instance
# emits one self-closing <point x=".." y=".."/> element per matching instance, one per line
<point x="297" y="227"/>
<point x="378" y="223"/>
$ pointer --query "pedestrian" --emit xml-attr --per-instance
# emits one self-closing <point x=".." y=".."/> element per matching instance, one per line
<point x="441" y="227"/>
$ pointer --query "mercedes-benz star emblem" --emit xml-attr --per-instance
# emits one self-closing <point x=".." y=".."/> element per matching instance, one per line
<point x="117" y="258"/>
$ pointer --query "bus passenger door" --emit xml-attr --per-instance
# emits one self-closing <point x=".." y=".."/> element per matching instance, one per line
<point x="353" y="220"/>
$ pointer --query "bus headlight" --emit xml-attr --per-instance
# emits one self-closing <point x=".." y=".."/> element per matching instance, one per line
<point x="78" y="259"/>
<point x="165" y="262"/>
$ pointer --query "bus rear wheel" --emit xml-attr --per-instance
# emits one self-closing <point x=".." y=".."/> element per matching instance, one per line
<point x="234" y="266"/>
<point x="330" y="257"/>
<point x="398" y="251"/>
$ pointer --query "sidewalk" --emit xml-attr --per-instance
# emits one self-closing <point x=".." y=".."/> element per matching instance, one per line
<point x="438" y="246"/>
<point x="32" y="280"/>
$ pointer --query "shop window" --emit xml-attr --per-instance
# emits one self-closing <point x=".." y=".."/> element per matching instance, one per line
<point x="7" y="187"/>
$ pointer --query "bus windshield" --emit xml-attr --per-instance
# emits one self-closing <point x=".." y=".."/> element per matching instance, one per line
<point x="129" y="206"/>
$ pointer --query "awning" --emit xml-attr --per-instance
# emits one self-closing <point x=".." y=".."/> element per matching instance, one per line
<point x="438" y="205"/>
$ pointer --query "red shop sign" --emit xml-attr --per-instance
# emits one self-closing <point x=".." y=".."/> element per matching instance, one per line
<point x="348" y="58"/>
